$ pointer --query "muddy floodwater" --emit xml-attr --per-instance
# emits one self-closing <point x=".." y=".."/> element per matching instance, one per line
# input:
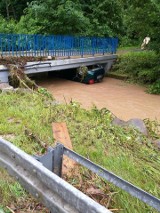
<point x="124" y="100"/>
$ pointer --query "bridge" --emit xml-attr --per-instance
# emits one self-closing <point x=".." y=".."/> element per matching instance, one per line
<point x="55" y="65"/>
<point x="62" y="64"/>
<point x="69" y="52"/>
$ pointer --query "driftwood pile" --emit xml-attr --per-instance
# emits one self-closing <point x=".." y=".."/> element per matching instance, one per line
<point x="17" y="77"/>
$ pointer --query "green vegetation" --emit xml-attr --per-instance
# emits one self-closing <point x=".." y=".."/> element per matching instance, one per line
<point x="123" y="151"/>
<point x="7" y="26"/>
<point x="125" y="19"/>
<point x="154" y="88"/>
<point x="64" y="17"/>
<point x="140" y="67"/>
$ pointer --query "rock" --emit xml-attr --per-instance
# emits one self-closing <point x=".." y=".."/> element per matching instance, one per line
<point x="138" y="124"/>
<point x="56" y="103"/>
<point x="157" y="143"/>
<point x="23" y="90"/>
<point x="49" y="57"/>
<point x="135" y="122"/>
<point x="5" y="87"/>
<point x="118" y="122"/>
<point x="53" y="103"/>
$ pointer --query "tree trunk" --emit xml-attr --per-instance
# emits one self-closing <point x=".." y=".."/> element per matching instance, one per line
<point x="13" y="11"/>
<point x="7" y="9"/>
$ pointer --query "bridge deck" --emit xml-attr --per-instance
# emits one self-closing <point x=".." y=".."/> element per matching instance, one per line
<point x="63" y="63"/>
<point x="55" y="65"/>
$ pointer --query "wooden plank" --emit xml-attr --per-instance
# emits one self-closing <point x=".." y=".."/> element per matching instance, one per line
<point x="61" y="135"/>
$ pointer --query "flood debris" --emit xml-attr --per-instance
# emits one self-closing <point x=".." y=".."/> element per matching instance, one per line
<point x="16" y="66"/>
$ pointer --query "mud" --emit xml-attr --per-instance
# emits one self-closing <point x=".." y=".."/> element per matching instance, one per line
<point x="124" y="100"/>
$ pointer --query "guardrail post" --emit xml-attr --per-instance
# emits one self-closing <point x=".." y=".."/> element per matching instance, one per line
<point x="93" y="45"/>
<point x="58" y="159"/>
<point x="103" y="42"/>
<point x="82" y="46"/>
<point x="47" y="159"/>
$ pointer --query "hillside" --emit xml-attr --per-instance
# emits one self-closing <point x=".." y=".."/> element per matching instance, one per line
<point x="124" y="151"/>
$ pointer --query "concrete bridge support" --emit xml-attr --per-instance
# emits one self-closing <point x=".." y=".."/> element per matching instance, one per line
<point x="3" y="74"/>
<point x="108" y="66"/>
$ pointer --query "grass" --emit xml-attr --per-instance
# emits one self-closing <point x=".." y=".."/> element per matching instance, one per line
<point x="123" y="151"/>
<point x="128" y="48"/>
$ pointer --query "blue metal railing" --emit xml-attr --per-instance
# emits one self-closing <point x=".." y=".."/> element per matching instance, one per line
<point x="55" y="45"/>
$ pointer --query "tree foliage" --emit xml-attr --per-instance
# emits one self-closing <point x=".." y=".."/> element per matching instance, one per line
<point x="129" y="20"/>
<point x="141" y="19"/>
<point x="67" y="17"/>
<point x="13" y="8"/>
<point x="105" y="17"/>
<point x="76" y="17"/>
<point x="55" y="17"/>
<point x="7" y="26"/>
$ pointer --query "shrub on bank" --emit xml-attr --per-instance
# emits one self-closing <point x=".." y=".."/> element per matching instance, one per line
<point x="154" y="88"/>
<point x="141" y="67"/>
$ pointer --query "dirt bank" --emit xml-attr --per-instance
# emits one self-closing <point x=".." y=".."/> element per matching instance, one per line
<point x="125" y="100"/>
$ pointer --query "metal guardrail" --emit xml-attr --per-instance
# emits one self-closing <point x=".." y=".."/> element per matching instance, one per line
<point x="55" y="45"/>
<point x="52" y="160"/>
<point x="55" y="193"/>
<point x="114" y="179"/>
<point x="56" y="165"/>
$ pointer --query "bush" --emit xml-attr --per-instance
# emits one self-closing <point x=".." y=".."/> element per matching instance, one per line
<point x="125" y="41"/>
<point x="154" y="88"/>
<point x="7" y="26"/>
<point x="142" y="67"/>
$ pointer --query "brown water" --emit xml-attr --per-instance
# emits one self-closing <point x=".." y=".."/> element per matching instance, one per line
<point x="124" y="100"/>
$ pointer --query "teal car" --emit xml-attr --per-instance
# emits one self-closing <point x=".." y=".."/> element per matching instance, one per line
<point x="90" y="75"/>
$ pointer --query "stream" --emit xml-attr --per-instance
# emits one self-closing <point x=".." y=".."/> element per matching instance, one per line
<point x="124" y="100"/>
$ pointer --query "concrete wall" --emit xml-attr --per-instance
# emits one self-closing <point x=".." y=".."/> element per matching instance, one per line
<point x="3" y="74"/>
